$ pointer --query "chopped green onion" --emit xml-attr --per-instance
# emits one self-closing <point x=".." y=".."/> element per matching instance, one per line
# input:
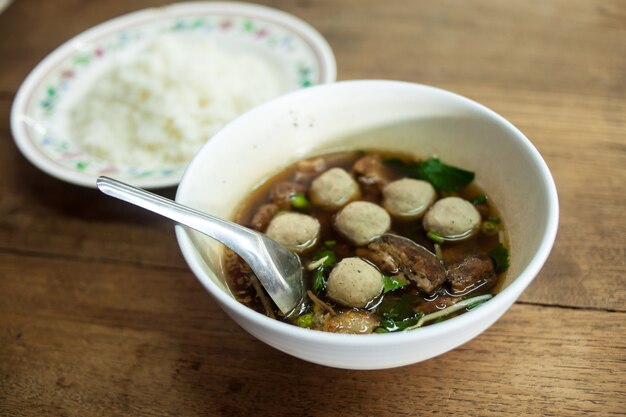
<point x="299" y="201"/>
<point x="469" y="303"/>
<point x="438" y="252"/>
<point x="329" y="257"/>
<point x="330" y="244"/>
<point x="312" y="266"/>
<point x="434" y="236"/>
<point x="393" y="283"/>
<point x="493" y="219"/>
<point x="489" y="228"/>
<point x="305" y="320"/>
<point x="481" y="199"/>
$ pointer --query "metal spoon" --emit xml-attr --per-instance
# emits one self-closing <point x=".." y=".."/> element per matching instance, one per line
<point x="278" y="269"/>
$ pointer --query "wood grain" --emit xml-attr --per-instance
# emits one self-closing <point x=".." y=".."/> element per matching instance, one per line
<point x="127" y="340"/>
<point x="582" y="140"/>
<point x="100" y="316"/>
<point x="555" y="46"/>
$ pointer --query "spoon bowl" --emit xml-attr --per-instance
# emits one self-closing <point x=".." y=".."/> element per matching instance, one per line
<point x="278" y="269"/>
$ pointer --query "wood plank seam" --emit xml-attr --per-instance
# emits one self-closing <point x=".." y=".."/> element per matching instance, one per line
<point x="568" y="307"/>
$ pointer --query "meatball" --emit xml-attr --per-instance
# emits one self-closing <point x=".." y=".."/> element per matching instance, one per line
<point x="297" y="232"/>
<point x="334" y="189"/>
<point x="354" y="283"/>
<point x="452" y="218"/>
<point x="408" y="199"/>
<point x="361" y="222"/>
<point x="352" y="322"/>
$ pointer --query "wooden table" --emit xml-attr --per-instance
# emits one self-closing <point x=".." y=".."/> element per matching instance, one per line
<point x="99" y="315"/>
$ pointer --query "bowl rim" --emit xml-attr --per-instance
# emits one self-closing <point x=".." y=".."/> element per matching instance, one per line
<point x="501" y="301"/>
<point x="19" y="109"/>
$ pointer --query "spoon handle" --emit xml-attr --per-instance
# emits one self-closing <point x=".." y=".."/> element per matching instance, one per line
<point x="229" y="233"/>
<point x="278" y="270"/>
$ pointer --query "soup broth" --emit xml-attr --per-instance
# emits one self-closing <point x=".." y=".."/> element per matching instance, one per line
<point x="467" y="268"/>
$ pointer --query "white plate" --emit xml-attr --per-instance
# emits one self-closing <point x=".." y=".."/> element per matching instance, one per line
<point x="302" y="53"/>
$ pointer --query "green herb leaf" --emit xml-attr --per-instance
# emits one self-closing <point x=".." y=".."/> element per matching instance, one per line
<point x="330" y="244"/>
<point x="299" y="201"/>
<point x="443" y="177"/>
<point x="493" y="219"/>
<point x="393" y="283"/>
<point x="330" y="260"/>
<point x="397" y="307"/>
<point x="500" y="256"/>
<point x="319" y="281"/>
<point x="481" y="199"/>
<point x="390" y="324"/>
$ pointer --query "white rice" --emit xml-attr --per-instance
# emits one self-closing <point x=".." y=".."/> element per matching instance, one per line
<point x="160" y="106"/>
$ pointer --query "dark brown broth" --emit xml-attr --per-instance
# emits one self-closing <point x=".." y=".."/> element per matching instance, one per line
<point x="480" y="244"/>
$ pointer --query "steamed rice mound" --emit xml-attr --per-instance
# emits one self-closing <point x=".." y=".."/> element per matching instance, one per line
<point x="160" y="105"/>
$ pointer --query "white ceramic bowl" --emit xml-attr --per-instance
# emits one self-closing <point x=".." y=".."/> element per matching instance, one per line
<point x="394" y="116"/>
